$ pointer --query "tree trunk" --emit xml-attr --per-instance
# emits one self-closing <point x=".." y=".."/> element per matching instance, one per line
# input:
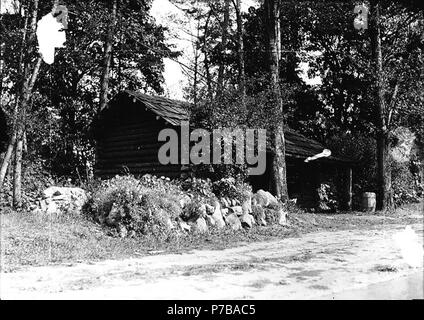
<point x="240" y="53"/>
<point x="224" y="41"/>
<point x="384" y="188"/>
<point x="206" y="58"/>
<point x="17" y="175"/>
<point x="27" y="86"/>
<point x="108" y="57"/>
<point x="10" y="148"/>
<point x="278" y="183"/>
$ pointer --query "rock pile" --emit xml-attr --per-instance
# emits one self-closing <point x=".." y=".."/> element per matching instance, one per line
<point x="61" y="200"/>
<point x="231" y="213"/>
<point x="196" y="216"/>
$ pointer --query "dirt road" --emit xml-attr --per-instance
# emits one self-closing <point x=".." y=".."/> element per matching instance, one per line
<point x="340" y="264"/>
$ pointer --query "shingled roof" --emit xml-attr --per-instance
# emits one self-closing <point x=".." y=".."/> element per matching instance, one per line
<point x="174" y="112"/>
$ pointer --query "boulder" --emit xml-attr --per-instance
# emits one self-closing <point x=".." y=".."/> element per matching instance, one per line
<point x="202" y="211"/>
<point x="209" y="209"/>
<point x="282" y="217"/>
<point x="210" y="221"/>
<point x="185" y="199"/>
<point x="233" y="221"/>
<point x="264" y="199"/>
<point x="247" y="205"/>
<point x="200" y="225"/>
<point x="225" y="211"/>
<point x="238" y="210"/>
<point x="218" y="219"/>
<point x="225" y="203"/>
<point x="247" y="221"/>
<point x="62" y="200"/>
<point x="185" y="226"/>
<point x="259" y="214"/>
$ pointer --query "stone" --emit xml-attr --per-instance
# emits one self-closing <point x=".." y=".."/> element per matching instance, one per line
<point x="209" y="209"/>
<point x="238" y="210"/>
<point x="247" y="205"/>
<point x="202" y="211"/>
<point x="200" y="225"/>
<point x="259" y="214"/>
<point x="169" y="223"/>
<point x="282" y="217"/>
<point x="247" y="221"/>
<point x="64" y="199"/>
<point x="224" y="203"/>
<point x="233" y="221"/>
<point x="224" y="211"/>
<point x="218" y="219"/>
<point x="185" y="226"/>
<point x="264" y="199"/>
<point x="185" y="199"/>
<point x="52" y="208"/>
<point x="210" y="221"/>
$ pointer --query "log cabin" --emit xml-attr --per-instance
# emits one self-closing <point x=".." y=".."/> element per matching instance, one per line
<point x="126" y="134"/>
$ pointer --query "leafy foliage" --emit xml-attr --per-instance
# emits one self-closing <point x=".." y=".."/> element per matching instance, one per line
<point x="139" y="205"/>
<point x="66" y="93"/>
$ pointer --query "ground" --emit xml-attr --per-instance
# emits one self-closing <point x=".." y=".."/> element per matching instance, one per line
<point x="336" y="256"/>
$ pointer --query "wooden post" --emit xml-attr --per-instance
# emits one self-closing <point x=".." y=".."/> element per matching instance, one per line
<point x="348" y="195"/>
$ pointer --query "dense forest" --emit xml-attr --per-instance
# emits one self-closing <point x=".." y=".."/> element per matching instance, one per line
<point x="249" y="69"/>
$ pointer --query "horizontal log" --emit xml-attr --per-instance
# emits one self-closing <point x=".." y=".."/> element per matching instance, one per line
<point x="130" y="137"/>
<point x="136" y="154"/>
<point x="142" y="128"/>
<point x="146" y="135"/>
<point x="114" y="161"/>
<point x="117" y="148"/>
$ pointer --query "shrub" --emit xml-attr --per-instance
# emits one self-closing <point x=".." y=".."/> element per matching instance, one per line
<point x="147" y="206"/>
<point x="198" y="186"/>
<point x="230" y="188"/>
<point x="405" y="188"/>
<point x="327" y="198"/>
<point x="35" y="178"/>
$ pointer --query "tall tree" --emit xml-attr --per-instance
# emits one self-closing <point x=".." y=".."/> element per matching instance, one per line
<point x="30" y="74"/>
<point x="240" y="49"/>
<point x="278" y="183"/>
<point x="9" y="152"/>
<point x="385" y="197"/>
<point x="108" y="55"/>
<point x="223" y="46"/>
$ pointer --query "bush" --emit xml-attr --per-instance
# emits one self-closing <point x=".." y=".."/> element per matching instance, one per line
<point x="232" y="189"/>
<point x="198" y="186"/>
<point x="148" y="206"/>
<point x="35" y="178"/>
<point x="405" y="188"/>
<point x="327" y="198"/>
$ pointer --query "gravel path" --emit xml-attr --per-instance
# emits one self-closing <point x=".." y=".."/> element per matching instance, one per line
<point x="341" y="264"/>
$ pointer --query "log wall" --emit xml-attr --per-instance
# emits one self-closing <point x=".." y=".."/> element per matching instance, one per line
<point x="128" y="142"/>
